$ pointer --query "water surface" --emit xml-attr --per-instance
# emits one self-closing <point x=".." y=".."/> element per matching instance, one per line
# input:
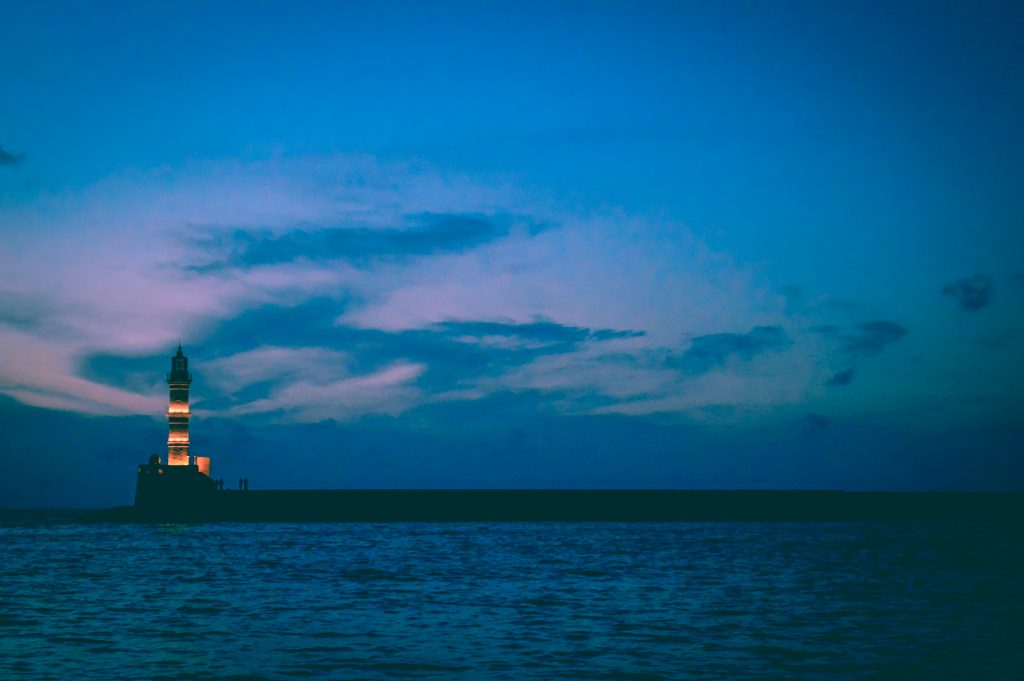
<point x="510" y="601"/>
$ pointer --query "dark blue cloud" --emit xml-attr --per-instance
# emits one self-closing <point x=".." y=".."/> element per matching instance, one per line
<point x="308" y="324"/>
<point x="714" y="349"/>
<point x="813" y="423"/>
<point x="863" y="340"/>
<point x="426" y="233"/>
<point x="971" y="293"/>
<point x="9" y="159"/>
<point x="841" y="378"/>
<point x="453" y="351"/>
<point x="137" y="374"/>
<point x="873" y="337"/>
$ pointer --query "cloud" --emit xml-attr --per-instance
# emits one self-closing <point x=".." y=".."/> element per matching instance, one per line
<point x="142" y="374"/>
<point x="424" y="234"/>
<point x="972" y="294"/>
<point x="388" y="391"/>
<point x="605" y="271"/>
<point x="464" y="280"/>
<point x="814" y="423"/>
<point x="454" y="350"/>
<point x="275" y="365"/>
<point x="873" y="337"/>
<point x="715" y="349"/>
<point x="9" y="159"/>
<point x="590" y="379"/>
<point x="250" y="363"/>
<point x="43" y="373"/>
<point x="841" y="378"/>
<point x="863" y="340"/>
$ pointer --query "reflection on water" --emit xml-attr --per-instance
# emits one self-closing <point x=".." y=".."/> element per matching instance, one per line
<point x="512" y="601"/>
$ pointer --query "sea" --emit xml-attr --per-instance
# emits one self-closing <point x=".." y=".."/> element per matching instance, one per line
<point x="731" y="600"/>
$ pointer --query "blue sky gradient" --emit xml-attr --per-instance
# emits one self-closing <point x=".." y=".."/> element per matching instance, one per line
<point x="514" y="244"/>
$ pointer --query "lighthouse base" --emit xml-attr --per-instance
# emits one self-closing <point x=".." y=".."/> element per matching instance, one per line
<point x="173" y="492"/>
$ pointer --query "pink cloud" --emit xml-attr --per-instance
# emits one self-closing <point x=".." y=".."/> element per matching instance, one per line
<point x="107" y="271"/>
<point x="384" y="392"/>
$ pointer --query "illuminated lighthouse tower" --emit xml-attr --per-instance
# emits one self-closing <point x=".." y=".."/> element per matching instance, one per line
<point x="178" y="415"/>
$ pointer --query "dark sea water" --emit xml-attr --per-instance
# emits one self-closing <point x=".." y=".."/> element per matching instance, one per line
<point x="510" y="601"/>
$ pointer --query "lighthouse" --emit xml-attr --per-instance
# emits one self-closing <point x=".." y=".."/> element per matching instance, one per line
<point x="178" y="414"/>
<point x="182" y="487"/>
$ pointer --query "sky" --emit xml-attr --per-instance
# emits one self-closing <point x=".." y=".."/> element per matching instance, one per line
<point x="550" y="245"/>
